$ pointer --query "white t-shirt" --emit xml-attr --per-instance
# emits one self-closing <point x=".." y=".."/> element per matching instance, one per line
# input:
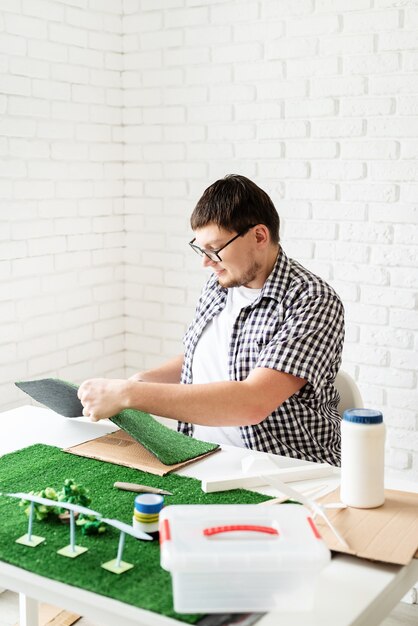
<point x="210" y="359"/>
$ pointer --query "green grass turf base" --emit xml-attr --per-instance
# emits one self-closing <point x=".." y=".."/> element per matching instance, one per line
<point x="146" y="585"/>
<point x="167" y="445"/>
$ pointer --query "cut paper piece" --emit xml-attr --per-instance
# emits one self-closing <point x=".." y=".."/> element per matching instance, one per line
<point x="120" y="448"/>
<point x="54" y="616"/>
<point x="388" y="533"/>
<point x="316" y="508"/>
<point x="169" y="446"/>
<point x="249" y="479"/>
<point x="126" y="529"/>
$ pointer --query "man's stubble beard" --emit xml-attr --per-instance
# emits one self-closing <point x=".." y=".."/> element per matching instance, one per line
<point x="247" y="277"/>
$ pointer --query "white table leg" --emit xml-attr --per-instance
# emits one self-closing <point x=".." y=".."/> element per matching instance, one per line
<point x="28" y="611"/>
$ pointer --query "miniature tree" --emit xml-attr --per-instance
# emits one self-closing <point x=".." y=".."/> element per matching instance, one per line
<point x="41" y="511"/>
<point x="74" y="494"/>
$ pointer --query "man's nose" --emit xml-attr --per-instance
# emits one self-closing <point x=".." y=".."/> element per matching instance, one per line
<point x="207" y="262"/>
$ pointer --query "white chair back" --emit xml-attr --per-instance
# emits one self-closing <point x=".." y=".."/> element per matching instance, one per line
<point x="350" y="396"/>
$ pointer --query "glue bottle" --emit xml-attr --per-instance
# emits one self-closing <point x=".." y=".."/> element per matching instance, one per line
<point x="362" y="458"/>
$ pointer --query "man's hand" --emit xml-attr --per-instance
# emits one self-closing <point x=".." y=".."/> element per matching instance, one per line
<point x="103" y="397"/>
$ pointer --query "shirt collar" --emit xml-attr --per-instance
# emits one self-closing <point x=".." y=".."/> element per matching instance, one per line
<point x="276" y="284"/>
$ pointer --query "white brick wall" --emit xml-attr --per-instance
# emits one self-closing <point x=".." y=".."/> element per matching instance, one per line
<point x="317" y="101"/>
<point x="116" y="115"/>
<point x="61" y="188"/>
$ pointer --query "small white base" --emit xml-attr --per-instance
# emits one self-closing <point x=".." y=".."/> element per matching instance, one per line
<point x="112" y="566"/>
<point x="71" y="553"/>
<point x="30" y="543"/>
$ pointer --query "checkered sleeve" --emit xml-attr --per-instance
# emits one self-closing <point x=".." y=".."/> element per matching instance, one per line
<point x="309" y="340"/>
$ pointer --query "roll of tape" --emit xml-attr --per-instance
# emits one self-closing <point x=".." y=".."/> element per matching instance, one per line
<point x="149" y="503"/>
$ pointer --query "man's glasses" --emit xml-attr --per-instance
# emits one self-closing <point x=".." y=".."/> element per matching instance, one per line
<point x="213" y="255"/>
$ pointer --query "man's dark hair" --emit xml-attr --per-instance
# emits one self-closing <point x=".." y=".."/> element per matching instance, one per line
<point x="234" y="203"/>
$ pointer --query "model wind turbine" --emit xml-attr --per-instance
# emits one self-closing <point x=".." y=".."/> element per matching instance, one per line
<point x="117" y="566"/>
<point x="30" y="540"/>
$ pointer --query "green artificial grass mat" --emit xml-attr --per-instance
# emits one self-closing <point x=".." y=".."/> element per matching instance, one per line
<point x="167" y="445"/>
<point x="147" y="585"/>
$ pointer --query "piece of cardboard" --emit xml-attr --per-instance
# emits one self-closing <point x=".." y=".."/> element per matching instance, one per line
<point x="120" y="448"/>
<point x="388" y="533"/>
<point x="53" y="616"/>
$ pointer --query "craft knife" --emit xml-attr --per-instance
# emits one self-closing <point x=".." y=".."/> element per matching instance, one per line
<point x="141" y="488"/>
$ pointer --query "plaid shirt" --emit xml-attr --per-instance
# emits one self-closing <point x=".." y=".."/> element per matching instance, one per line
<point x="296" y="325"/>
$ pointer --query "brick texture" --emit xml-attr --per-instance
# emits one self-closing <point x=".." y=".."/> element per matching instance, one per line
<point x="116" y="115"/>
<point x="61" y="222"/>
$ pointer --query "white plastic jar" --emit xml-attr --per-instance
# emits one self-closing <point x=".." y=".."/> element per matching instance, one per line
<point x="362" y="458"/>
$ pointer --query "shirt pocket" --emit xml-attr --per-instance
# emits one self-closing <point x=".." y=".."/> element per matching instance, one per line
<point x="267" y="328"/>
<point x="250" y="343"/>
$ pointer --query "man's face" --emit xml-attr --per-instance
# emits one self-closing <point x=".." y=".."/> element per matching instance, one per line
<point x="239" y="265"/>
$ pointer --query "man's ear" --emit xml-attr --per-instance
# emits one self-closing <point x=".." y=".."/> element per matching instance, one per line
<point x="262" y="234"/>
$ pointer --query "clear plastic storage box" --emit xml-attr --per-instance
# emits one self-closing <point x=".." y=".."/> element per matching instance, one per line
<point x="238" y="558"/>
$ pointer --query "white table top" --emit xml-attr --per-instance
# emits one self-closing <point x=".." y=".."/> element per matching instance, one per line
<point x="351" y="591"/>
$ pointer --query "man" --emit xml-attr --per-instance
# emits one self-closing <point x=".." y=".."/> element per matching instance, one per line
<point x="263" y="349"/>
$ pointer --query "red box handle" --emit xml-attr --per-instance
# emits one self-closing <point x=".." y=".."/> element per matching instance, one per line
<point x="216" y="530"/>
<point x="165" y="534"/>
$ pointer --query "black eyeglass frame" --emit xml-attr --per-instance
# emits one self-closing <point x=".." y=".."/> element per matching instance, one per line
<point x="213" y="255"/>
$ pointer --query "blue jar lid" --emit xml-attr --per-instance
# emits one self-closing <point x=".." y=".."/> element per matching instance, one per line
<point x="149" y="503"/>
<point x="363" y="416"/>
